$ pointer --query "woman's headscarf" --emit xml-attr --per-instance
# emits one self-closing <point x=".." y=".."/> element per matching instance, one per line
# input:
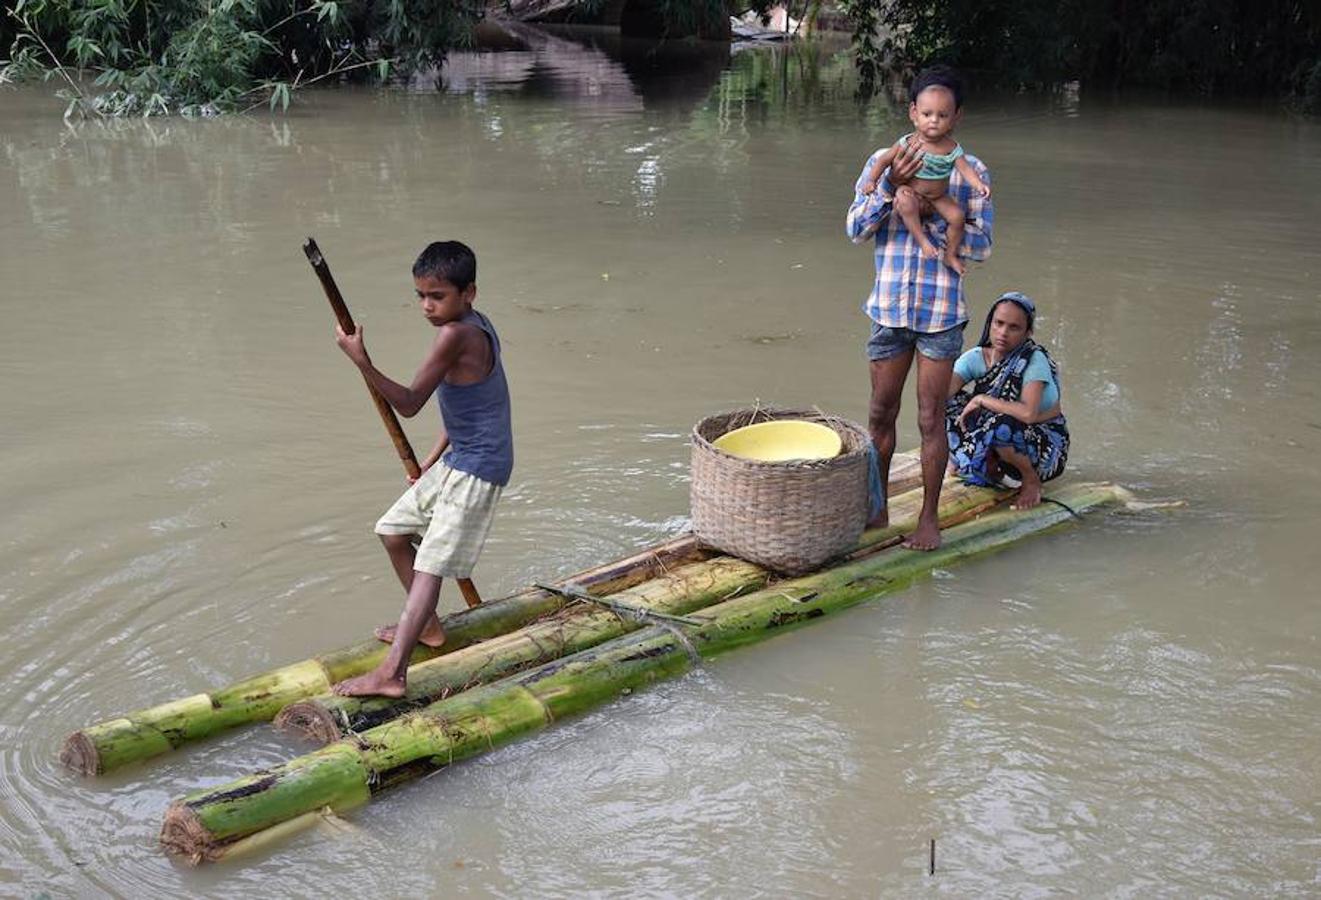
<point x="1022" y="301"/>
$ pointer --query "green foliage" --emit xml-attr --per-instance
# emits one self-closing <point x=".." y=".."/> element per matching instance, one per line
<point x="1309" y="92"/>
<point x="1206" y="46"/>
<point x="202" y="57"/>
<point x="675" y="18"/>
<point x="689" y="16"/>
<point x="865" y="15"/>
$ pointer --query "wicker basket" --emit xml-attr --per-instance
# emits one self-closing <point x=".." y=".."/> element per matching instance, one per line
<point x="787" y="516"/>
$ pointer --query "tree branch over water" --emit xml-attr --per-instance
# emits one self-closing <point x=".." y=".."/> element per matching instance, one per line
<point x="152" y="57"/>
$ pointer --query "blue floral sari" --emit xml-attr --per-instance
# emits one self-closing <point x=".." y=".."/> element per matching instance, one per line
<point x="1046" y="444"/>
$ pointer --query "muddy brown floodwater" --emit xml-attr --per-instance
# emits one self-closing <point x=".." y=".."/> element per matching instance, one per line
<point x="189" y="472"/>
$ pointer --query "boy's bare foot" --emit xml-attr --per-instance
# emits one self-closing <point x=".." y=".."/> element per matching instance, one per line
<point x="373" y="684"/>
<point x="1029" y="495"/>
<point x="952" y="260"/>
<point x="433" y="635"/>
<point x="929" y="250"/>
<point x="925" y="537"/>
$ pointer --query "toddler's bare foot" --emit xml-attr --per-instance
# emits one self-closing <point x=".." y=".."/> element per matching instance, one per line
<point x="952" y="260"/>
<point x="433" y="635"/>
<point x="373" y="684"/>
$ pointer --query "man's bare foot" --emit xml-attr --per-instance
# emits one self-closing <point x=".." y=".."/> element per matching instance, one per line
<point x="1029" y="495"/>
<point x="926" y="537"/>
<point x="432" y="634"/>
<point x="881" y="521"/>
<point x="928" y="249"/>
<point x="952" y="260"/>
<point x="373" y="684"/>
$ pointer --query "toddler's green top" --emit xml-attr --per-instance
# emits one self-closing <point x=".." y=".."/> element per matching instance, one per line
<point x="935" y="167"/>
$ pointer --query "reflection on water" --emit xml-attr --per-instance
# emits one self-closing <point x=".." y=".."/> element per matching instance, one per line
<point x="584" y="69"/>
<point x="190" y="472"/>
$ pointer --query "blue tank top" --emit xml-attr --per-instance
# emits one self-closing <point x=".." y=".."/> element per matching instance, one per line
<point x="476" y="417"/>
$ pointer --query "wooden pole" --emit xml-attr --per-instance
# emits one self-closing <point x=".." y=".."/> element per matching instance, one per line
<point x="401" y="444"/>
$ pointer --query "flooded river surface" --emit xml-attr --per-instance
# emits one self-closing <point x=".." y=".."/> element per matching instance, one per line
<point x="190" y="469"/>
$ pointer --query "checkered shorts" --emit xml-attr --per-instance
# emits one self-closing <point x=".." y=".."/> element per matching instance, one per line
<point x="452" y="511"/>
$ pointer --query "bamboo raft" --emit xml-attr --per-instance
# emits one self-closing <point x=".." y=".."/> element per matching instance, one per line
<point x="442" y="722"/>
<point x="514" y="665"/>
<point x="146" y="733"/>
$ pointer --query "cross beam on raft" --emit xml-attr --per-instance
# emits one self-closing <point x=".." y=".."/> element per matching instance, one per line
<point x="640" y="613"/>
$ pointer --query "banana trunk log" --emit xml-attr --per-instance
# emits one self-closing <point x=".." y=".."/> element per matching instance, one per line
<point x="151" y="732"/>
<point x="687" y="589"/>
<point x="203" y="825"/>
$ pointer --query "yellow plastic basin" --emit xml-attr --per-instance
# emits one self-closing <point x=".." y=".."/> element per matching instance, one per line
<point x="780" y="440"/>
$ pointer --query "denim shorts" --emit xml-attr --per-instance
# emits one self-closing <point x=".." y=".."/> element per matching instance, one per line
<point x="887" y="342"/>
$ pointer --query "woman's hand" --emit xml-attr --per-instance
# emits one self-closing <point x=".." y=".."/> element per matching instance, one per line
<point x="972" y="406"/>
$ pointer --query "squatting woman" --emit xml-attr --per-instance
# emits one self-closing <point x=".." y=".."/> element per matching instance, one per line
<point x="1003" y="416"/>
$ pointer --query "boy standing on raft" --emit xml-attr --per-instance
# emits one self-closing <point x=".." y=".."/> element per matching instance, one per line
<point x="453" y="502"/>
<point x="916" y="304"/>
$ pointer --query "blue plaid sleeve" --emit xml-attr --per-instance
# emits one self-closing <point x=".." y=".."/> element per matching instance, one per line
<point x="868" y="211"/>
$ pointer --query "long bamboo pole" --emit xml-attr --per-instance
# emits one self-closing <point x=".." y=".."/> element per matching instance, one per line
<point x="328" y="717"/>
<point x="345" y="319"/>
<point x="346" y="773"/>
<point x="146" y="733"/>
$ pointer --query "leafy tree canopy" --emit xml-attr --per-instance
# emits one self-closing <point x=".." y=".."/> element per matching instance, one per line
<point x="1214" y="47"/>
<point x="209" y="56"/>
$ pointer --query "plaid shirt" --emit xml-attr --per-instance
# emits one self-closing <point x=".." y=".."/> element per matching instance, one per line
<point x="911" y="292"/>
